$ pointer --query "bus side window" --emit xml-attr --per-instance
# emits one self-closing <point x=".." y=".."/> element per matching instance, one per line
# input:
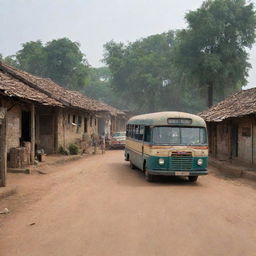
<point x="128" y="130"/>
<point x="147" y="134"/>
<point x="141" y="132"/>
<point x="137" y="129"/>
<point x="133" y="131"/>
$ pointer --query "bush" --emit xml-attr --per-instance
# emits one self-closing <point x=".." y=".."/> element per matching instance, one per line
<point x="74" y="149"/>
<point x="63" y="151"/>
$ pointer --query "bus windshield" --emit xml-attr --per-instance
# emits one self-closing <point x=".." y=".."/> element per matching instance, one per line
<point x="166" y="135"/>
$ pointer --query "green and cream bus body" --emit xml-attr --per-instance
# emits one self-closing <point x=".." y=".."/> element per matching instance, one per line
<point x="167" y="143"/>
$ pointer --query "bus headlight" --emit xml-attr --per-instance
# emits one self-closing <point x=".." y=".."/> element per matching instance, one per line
<point x="161" y="161"/>
<point x="200" y="161"/>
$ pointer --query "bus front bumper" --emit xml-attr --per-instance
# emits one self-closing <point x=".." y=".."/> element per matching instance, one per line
<point x="178" y="173"/>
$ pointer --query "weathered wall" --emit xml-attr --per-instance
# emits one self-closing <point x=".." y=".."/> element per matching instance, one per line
<point x="13" y="127"/>
<point x="223" y="140"/>
<point x="121" y="124"/>
<point x="245" y="140"/>
<point x="220" y="141"/>
<point x="13" y="121"/>
<point x="254" y="140"/>
<point x="55" y="127"/>
<point x="71" y="126"/>
<point x="46" y="129"/>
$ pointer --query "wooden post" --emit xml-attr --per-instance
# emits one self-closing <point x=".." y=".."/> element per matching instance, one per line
<point x="3" y="150"/>
<point x="33" y="134"/>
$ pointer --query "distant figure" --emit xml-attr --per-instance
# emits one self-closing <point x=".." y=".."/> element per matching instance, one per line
<point x="102" y="144"/>
<point x="94" y="143"/>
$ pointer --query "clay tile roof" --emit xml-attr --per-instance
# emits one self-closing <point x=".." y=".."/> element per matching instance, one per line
<point x="12" y="87"/>
<point x="57" y="93"/>
<point x="113" y="111"/>
<point x="238" y="104"/>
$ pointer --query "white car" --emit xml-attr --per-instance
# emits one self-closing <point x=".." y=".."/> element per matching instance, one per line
<point x="118" y="140"/>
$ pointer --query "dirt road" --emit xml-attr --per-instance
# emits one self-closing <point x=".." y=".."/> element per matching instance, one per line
<point x="99" y="206"/>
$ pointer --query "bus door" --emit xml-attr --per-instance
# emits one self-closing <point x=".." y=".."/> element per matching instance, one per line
<point x="146" y="141"/>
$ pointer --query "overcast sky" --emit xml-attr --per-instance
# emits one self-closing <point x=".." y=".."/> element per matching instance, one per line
<point x="92" y="23"/>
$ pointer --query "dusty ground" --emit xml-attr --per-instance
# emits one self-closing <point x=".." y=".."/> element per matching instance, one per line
<point x="99" y="206"/>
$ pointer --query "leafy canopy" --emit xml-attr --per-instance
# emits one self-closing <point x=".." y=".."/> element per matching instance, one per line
<point x="60" y="59"/>
<point x="141" y="71"/>
<point x="212" y="51"/>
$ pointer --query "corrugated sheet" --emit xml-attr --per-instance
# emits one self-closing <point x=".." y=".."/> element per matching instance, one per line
<point x="238" y="104"/>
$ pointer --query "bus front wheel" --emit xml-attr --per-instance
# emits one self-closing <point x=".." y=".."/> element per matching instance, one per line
<point x="126" y="157"/>
<point x="192" y="178"/>
<point x="148" y="177"/>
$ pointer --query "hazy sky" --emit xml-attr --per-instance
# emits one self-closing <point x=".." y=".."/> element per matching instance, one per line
<point x="92" y="23"/>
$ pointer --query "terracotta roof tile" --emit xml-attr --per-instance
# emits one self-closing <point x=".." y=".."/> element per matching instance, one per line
<point x="238" y="104"/>
<point x="12" y="87"/>
<point x="55" y="92"/>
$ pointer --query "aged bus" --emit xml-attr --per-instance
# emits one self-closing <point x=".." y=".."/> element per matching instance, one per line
<point x="167" y="143"/>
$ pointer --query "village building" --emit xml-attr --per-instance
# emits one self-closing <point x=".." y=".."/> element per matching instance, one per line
<point x="232" y="128"/>
<point x="38" y="114"/>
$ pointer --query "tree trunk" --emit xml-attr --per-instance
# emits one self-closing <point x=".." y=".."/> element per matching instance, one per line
<point x="210" y="95"/>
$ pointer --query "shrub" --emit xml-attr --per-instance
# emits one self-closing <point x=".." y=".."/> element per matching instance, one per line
<point x="74" y="149"/>
<point x="63" y="151"/>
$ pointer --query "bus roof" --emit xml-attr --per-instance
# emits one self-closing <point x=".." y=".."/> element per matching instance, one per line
<point x="160" y="118"/>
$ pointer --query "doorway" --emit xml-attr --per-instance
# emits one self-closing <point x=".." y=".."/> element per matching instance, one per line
<point x="101" y="126"/>
<point x="234" y="141"/>
<point x="25" y="126"/>
<point x="46" y="133"/>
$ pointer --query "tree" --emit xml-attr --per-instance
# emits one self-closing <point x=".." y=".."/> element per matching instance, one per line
<point x="142" y="72"/>
<point x="60" y="59"/>
<point x="32" y="58"/>
<point x="212" y="51"/>
<point x="11" y="60"/>
<point x="98" y="85"/>
<point x="66" y="64"/>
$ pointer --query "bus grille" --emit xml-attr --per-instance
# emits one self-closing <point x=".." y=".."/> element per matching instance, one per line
<point x="181" y="161"/>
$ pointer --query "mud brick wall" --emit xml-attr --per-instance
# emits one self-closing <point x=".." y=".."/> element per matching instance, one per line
<point x="71" y="126"/>
<point x="223" y="140"/>
<point x="245" y="140"/>
<point x="13" y="127"/>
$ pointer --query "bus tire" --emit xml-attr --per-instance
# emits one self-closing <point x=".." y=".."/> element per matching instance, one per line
<point x="148" y="177"/>
<point x="132" y="165"/>
<point x="126" y="157"/>
<point x="192" y="178"/>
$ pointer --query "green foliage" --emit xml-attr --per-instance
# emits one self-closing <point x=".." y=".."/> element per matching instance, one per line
<point x="63" y="151"/>
<point x="142" y="71"/>
<point x="74" y="149"/>
<point x="65" y="63"/>
<point x="211" y="52"/>
<point x="10" y="60"/>
<point x="60" y="59"/>
<point x="32" y="58"/>
<point x="99" y="87"/>
<point x="176" y="70"/>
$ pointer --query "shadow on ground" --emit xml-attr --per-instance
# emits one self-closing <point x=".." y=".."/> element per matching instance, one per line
<point x="135" y="177"/>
